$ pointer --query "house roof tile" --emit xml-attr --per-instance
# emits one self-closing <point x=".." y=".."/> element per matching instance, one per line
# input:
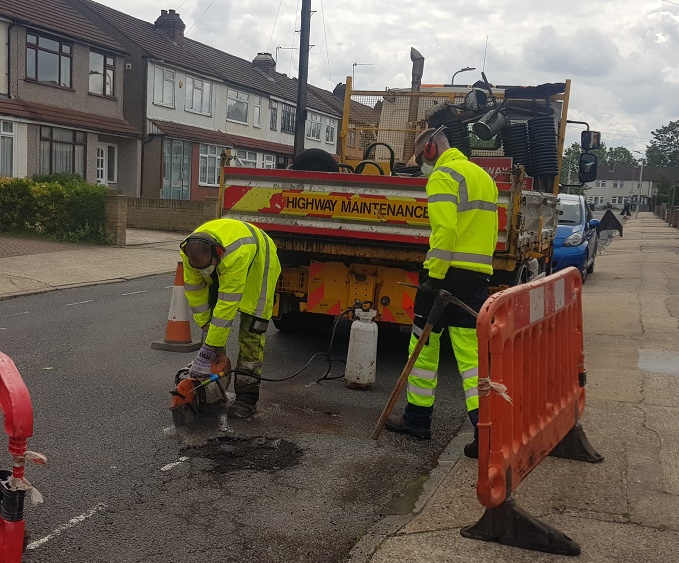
<point x="53" y="115"/>
<point x="58" y="17"/>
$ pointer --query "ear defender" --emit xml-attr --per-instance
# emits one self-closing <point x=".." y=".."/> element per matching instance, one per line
<point x="216" y="249"/>
<point x="431" y="150"/>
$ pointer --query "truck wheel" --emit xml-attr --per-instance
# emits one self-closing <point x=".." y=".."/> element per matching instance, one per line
<point x="304" y="323"/>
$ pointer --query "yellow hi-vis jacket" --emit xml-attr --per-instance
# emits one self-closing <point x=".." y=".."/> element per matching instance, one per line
<point x="247" y="275"/>
<point x="462" y="202"/>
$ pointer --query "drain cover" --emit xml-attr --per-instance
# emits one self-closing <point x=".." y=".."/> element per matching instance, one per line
<point x="257" y="453"/>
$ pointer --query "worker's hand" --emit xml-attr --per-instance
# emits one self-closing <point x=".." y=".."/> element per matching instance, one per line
<point x="200" y="367"/>
<point x="430" y="286"/>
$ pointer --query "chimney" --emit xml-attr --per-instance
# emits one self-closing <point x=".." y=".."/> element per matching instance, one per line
<point x="171" y="26"/>
<point x="265" y="63"/>
<point x="340" y="90"/>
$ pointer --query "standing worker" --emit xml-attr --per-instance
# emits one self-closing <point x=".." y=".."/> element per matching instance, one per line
<point x="231" y="266"/>
<point x="462" y="204"/>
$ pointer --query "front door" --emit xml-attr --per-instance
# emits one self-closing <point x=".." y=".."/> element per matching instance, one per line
<point x="176" y="169"/>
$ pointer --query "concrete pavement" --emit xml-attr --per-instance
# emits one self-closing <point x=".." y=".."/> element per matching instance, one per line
<point x="625" y="509"/>
<point x="34" y="266"/>
<point x="622" y="510"/>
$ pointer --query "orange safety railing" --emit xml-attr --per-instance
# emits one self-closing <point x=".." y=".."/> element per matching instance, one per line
<point x="530" y="341"/>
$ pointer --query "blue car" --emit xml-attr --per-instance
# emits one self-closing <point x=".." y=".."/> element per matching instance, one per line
<point x="576" y="236"/>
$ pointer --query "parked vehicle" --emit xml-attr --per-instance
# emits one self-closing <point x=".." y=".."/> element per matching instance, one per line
<point x="576" y="236"/>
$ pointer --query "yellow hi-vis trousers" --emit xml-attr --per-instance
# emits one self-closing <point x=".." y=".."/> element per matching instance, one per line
<point x="424" y="376"/>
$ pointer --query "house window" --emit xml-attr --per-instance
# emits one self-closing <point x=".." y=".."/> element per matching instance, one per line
<point x="209" y="165"/>
<point x="62" y="150"/>
<point x="198" y="95"/>
<point x="6" y="148"/>
<point x="273" y="106"/>
<point x="330" y="131"/>
<point x="313" y="126"/>
<point x="288" y="119"/>
<point x="248" y="158"/>
<point x="102" y="72"/>
<point x="614" y="200"/>
<point x="257" y="116"/>
<point x="163" y="87"/>
<point x="48" y="60"/>
<point x="269" y="161"/>
<point x="618" y="183"/>
<point x="600" y="184"/>
<point x="237" y="106"/>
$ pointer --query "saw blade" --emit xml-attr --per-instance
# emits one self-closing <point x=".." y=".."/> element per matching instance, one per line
<point x="183" y="415"/>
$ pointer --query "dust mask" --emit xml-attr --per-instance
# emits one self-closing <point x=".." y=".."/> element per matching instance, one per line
<point x="207" y="271"/>
<point x="426" y="169"/>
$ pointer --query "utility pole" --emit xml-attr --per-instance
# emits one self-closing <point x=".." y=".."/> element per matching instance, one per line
<point x="302" y="79"/>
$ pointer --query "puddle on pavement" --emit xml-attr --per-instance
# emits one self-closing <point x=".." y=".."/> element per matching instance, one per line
<point x="261" y="453"/>
<point x="406" y="501"/>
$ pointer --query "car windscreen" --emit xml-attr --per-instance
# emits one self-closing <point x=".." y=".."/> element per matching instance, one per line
<point x="570" y="213"/>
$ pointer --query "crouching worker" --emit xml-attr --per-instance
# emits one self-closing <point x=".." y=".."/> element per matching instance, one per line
<point x="231" y="266"/>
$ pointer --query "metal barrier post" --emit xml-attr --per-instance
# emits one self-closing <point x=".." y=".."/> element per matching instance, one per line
<point x="18" y="412"/>
<point x="530" y="340"/>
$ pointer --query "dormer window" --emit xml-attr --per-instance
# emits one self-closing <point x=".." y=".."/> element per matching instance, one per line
<point x="48" y="60"/>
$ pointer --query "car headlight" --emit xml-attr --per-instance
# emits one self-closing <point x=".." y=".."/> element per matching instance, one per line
<point x="574" y="240"/>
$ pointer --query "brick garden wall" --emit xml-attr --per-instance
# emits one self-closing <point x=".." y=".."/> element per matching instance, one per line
<point x="169" y="215"/>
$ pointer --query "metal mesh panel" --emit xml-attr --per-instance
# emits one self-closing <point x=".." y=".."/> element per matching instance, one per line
<point x="397" y="117"/>
<point x="293" y="280"/>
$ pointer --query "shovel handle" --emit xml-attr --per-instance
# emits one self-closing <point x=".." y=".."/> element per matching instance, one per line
<point x="401" y="382"/>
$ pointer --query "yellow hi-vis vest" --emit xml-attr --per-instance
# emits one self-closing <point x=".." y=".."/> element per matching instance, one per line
<point x="462" y="202"/>
<point x="247" y="275"/>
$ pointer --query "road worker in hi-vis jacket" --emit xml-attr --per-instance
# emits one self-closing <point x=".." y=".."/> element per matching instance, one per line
<point x="462" y="203"/>
<point x="231" y="266"/>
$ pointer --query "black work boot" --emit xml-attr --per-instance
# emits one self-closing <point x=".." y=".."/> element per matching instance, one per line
<point x="401" y="426"/>
<point x="472" y="449"/>
<point x="241" y="409"/>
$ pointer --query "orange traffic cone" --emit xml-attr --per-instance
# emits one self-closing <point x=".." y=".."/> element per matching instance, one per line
<point x="178" y="331"/>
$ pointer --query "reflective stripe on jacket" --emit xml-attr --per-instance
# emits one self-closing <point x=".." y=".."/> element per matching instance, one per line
<point x="463" y="215"/>
<point x="247" y="275"/>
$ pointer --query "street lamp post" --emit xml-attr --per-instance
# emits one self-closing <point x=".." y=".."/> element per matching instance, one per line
<point x="465" y="69"/>
<point x="641" y="178"/>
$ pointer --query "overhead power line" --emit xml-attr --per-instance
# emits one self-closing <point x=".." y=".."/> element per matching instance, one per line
<point x="268" y="47"/>
<point x="199" y="17"/>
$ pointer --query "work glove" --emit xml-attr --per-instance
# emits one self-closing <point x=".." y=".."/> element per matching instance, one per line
<point x="200" y="367"/>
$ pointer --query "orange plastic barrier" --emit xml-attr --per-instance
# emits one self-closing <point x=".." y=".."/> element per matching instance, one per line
<point x="178" y="330"/>
<point x="18" y="414"/>
<point x="530" y="340"/>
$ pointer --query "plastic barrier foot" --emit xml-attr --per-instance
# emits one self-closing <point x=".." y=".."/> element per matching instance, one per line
<point x="575" y="445"/>
<point x="510" y="525"/>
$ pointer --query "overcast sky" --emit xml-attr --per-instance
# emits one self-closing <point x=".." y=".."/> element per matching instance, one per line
<point x="621" y="55"/>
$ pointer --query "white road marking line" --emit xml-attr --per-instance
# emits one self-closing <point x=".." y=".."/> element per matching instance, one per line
<point x="72" y="522"/>
<point x="79" y="303"/>
<point x="17" y="314"/>
<point x="169" y="286"/>
<point x="135" y="292"/>
<point x="174" y="464"/>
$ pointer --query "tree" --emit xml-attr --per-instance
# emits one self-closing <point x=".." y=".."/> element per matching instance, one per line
<point x="620" y="156"/>
<point x="663" y="149"/>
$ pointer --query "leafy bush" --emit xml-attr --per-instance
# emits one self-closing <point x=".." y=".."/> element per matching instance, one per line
<point x="60" y="206"/>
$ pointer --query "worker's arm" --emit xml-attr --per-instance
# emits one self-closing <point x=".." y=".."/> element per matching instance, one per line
<point x="232" y="272"/>
<point x="443" y="196"/>
<point x="197" y="293"/>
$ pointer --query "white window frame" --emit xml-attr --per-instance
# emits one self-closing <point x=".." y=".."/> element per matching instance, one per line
<point x="166" y="78"/>
<point x="12" y="136"/>
<point x="268" y="161"/>
<point x="210" y="155"/>
<point x="248" y="158"/>
<point x="331" y="128"/>
<point x="313" y="126"/>
<point x="273" y="117"/>
<point x="257" y="112"/>
<point x="288" y="114"/>
<point x="237" y="97"/>
<point x="194" y="85"/>
<point x="110" y="150"/>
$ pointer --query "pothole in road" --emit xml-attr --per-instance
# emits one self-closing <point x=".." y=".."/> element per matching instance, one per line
<point x="257" y="454"/>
